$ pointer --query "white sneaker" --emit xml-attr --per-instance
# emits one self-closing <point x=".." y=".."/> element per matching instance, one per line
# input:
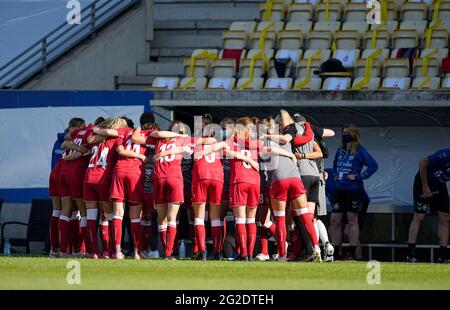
<point x="262" y="257"/>
<point x="329" y="252"/>
<point x="53" y="254"/>
<point x="137" y="256"/>
<point x="317" y="255"/>
<point x="275" y="256"/>
<point x="120" y="255"/>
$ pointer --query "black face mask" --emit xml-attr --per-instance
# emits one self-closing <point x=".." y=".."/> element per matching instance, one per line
<point x="346" y="138"/>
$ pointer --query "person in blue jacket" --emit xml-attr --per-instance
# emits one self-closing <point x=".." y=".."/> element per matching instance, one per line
<point x="58" y="151"/>
<point x="431" y="195"/>
<point x="352" y="165"/>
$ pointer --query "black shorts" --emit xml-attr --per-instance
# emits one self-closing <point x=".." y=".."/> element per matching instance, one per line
<point x="348" y="201"/>
<point x="438" y="202"/>
<point x="312" y="186"/>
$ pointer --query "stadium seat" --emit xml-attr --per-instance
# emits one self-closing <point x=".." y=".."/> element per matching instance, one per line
<point x="201" y="50"/>
<point x="444" y="11"/>
<point x="395" y="53"/>
<point x="304" y="27"/>
<point x="319" y="39"/>
<point x="294" y="55"/>
<point x="246" y="26"/>
<point x="223" y="68"/>
<point x="269" y="53"/>
<point x="334" y="12"/>
<point x="405" y="39"/>
<point x="244" y="70"/>
<point x="276" y="14"/>
<point x="269" y="41"/>
<point x="332" y="26"/>
<point x="433" y="67"/>
<point x="200" y="67"/>
<point x="382" y="39"/>
<point x="390" y="26"/>
<point x="335" y="83"/>
<point x="169" y="83"/>
<point x="325" y="54"/>
<point x="413" y="11"/>
<point x="302" y="65"/>
<point x="440" y="54"/>
<point x="290" y="39"/>
<point x="372" y="84"/>
<point x="381" y="57"/>
<point x="445" y="83"/>
<point x="418" y="25"/>
<point x="396" y="83"/>
<point x="396" y="68"/>
<point x="314" y="83"/>
<point x="198" y="84"/>
<point x="360" y="27"/>
<point x="221" y="83"/>
<point x="360" y="68"/>
<point x="356" y="12"/>
<point x="445" y="24"/>
<point x="348" y="57"/>
<point x="277" y="26"/>
<point x="438" y="39"/>
<point x="300" y="12"/>
<point x="432" y="83"/>
<point x="256" y="84"/>
<point x="273" y="69"/>
<point x="347" y="39"/>
<point x="234" y="39"/>
<point x="278" y="83"/>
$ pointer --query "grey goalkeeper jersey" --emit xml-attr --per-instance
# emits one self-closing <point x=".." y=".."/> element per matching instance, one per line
<point x="307" y="167"/>
<point x="282" y="167"/>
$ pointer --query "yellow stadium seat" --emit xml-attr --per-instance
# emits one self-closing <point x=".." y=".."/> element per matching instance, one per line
<point x="444" y="11"/>
<point x="325" y="54"/>
<point x="433" y="67"/>
<point x="360" y="68"/>
<point x="269" y="53"/>
<point x="319" y="39"/>
<point x="332" y="26"/>
<point x="419" y="26"/>
<point x="234" y="39"/>
<point x="290" y="39"/>
<point x="405" y="38"/>
<point x="355" y="12"/>
<point x="396" y="67"/>
<point x="269" y="40"/>
<point x="276" y="26"/>
<point x="276" y="14"/>
<point x="223" y="68"/>
<point x="372" y="83"/>
<point x="382" y="39"/>
<point x="201" y="50"/>
<point x="438" y="39"/>
<point x="200" y="67"/>
<point x="273" y="71"/>
<point x="390" y="26"/>
<point x="360" y="27"/>
<point x="302" y="65"/>
<point x="246" y="26"/>
<point x="396" y="83"/>
<point x="168" y="83"/>
<point x="313" y="84"/>
<point x="304" y="27"/>
<point x="334" y="12"/>
<point x="244" y="70"/>
<point x="348" y="57"/>
<point x="300" y="12"/>
<point x="381" y="57"/>
<point x="348" y="39"/>
<point x="413" y="11"/>
<point x="440" y="54"/>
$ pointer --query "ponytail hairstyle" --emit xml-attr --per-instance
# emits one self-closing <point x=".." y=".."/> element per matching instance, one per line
<point x="178" y="127"/>
<point x="353" y="145"/>
<point x="285" y="118"/>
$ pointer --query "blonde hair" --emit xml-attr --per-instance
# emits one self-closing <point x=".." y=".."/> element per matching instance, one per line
<point x="266" y="126"/>
<point x="285" y="118"/>
<point x="243" y="131"/>
<point x="353" y="145"/>
<point x="178" y="127"/>
<point x="113" y="123"/>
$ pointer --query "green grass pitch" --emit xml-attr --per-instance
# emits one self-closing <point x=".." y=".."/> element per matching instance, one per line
<point x="45" y="273"/>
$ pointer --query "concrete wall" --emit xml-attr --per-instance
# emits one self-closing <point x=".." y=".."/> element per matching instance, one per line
<point x="94" y="64"/>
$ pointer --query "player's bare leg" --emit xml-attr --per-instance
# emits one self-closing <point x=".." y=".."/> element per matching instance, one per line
<point x="135" y="218"/>
<point x="91" y="234"/>
<point x="240" y="218"/>
<point x="117" y="229"/>
<point x="54" y="232"/>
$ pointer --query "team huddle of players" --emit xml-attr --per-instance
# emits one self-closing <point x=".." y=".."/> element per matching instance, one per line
<point x="267" y="171"/>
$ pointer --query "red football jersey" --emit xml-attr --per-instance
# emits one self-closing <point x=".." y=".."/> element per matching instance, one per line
<point x="209" y="166"/>
<point x="128" y="164"/>
<point x="169" y="166"/>
<point x="102" y="162"/>
<point x="240" y="170"/>
<point x="79" y="137"/>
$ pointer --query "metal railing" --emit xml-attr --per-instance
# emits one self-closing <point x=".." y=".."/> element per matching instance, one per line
<point x="38" y="56"/>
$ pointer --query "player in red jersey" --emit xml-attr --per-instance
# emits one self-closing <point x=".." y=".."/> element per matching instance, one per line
<point x="97" y="181"/>
<point x="168" y="183"/>
<point x="55" y="194"/>
<point x="71" y="182"/>
<point x="207" y="187"/>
